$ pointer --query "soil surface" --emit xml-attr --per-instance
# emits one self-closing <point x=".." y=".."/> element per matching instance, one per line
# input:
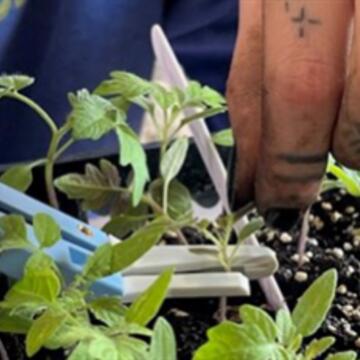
<point x="332" y="244"/>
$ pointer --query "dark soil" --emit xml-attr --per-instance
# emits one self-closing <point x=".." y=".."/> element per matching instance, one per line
<point x="332" y="244"/>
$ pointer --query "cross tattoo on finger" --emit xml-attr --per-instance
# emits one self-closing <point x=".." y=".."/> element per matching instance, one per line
<point x="303" y="20"/>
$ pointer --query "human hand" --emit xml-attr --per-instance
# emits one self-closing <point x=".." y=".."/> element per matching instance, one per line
<point x="293" y="95"/>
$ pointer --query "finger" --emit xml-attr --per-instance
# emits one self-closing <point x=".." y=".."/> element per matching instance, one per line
<point x="346" y="140"/>
<point x="303" y="75"/>
<point x="244" y="98"/>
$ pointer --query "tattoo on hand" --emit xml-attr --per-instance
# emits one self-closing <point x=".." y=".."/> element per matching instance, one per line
<point x="302" y="19"/>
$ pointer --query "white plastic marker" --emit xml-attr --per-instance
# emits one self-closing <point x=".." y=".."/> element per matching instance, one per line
<point x="175" y="76"/>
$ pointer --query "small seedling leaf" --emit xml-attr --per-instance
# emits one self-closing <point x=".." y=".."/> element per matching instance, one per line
<point x="14" y="82"/>
<point x="133" y="154"/>
<point x="10" y="323"/>
<point x="99" y="263"/>
<point x="108" y="309"/>
<point x="224" y="138"/>
<point x="163" y="342"/>
<point x="314" y="304"/>
<point x="253" y="315"/>
<point x="146" y="306"/>
<point x="46" y="229"/>
<point x="102" y="348"/>
<point x="96" y="189"/>
<point x="173" y="159"/>
<point x="42" y="329"/>
<point x="318" y="346"/>
<point x="286" y="330"/>
<point x="127" y="252"/>
<point x="13" y="234"/>
<point x="250" y="228"/>
<point x="92" y="116"/>
<point x="345" y="355"/>
<point x="128" y="85"/>
<point x="18" y="177"/>
<point x="123" y="224"/>
<point x="349" y="178"/>
<point x="42" y="286"/>
<point x="179" y="199"/>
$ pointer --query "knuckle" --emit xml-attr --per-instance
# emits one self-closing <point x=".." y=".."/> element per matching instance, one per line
<point x="305" y="82"/>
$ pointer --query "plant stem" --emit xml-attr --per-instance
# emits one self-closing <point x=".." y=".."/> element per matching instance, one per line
<point x="182" y="238"/>
<point x="64" y="148"/>
<point x="37" y="163"/>
<point x="49" y="166"/>
<point x="3" y="352"/>
<point x="222" y="309"/>
<point x="35" y="107"/>
<point x="303" y="236"/>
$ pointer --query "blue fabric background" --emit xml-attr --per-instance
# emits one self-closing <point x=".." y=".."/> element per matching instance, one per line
<point x="67" y="45"/>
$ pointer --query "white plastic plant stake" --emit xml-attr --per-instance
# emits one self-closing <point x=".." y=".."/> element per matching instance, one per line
<point x="176" y="77"/>
<point x="250" y="261"/>
<point x="192" y="285"/>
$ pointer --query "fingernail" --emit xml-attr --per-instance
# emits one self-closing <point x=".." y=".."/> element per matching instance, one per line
<point x="282" y="219"/>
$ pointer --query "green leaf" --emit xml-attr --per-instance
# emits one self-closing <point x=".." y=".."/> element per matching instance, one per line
<point x="315" y="303"/>
<point x="196" y="95"/>
<point x="13" y="324"/>
<point x="125" y="84"/>
<point x="123" y="224"/>
<point x="345" y="355"/>
<point x="97" y="188"/>
<point x="67" y="336"/>
<point x="173" y="159"/>
<point x="163" y="343"/>
<point x="47" y="231"/>
<point x="250" y="228"/>
<point x="230" y="341"/>
<point x="165" y="98"/>
<point x="99" y="263"/>
<point x="42" y="286"/>
<point x="40" y="260"/>
<point x="146" y="306"/>
<point x="14" y="82"/>
<point x="349" y="178"/>
<point x="328" y="185"/>
<point x="318" y="347"/>
<point x="127" y="252"/>
<point x="286" y="330"/>
<point x="179" y="199"/>
<point x="107" y="309"/>
<point x="131" y="348"/>
<point x="224" y="138"/>
<point x="102" y="348"/>
<point x="13" y="233"/>
<point x="253" y="315"/>
<point x="133" y="154"/>
<point x="18" y="177"/>
<point x="80" y="352"/>
<point x="42" y="329"/>
<point x="92" y="116"/>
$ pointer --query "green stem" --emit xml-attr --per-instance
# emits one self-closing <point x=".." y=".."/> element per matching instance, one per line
<point x="49" y="166"/>
<point x="37" y="163"/>
<point x="64" y="148"/>
<point x="36" y="108"/>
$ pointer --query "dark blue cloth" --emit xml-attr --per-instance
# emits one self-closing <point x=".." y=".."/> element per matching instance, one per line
<point x="67" y="45"/>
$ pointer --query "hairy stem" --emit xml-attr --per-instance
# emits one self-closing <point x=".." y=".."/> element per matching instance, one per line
<point x="36" y="108"/>
<point x="52" y="156"/>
